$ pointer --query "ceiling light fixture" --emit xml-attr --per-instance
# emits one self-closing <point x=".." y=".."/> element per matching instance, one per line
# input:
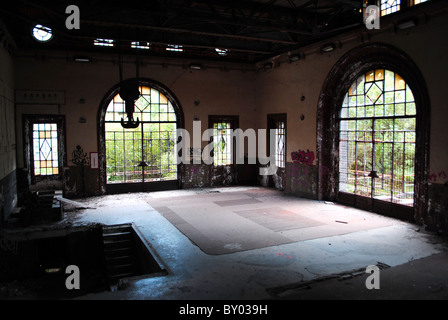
<point x="222" y="52"/>
<point x="174" y="47"/>
<point x="140" y="45"/>
<point x="103" y="42"/>
<point x="195" y="66"/>
<point x="294" y="58"/>
<point x="268" y="65"/>
<point x="406" y="24"/>
<point x="328" y="48"/>
<point x="84" y="59"/>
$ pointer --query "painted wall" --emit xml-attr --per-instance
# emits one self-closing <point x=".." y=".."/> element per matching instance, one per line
<point x="200" y="93"/>
<point x="8" y="189"/>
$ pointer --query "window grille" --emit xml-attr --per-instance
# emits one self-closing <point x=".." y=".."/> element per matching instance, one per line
<point x="378" y="137"/>
<point x="148" y="152"/>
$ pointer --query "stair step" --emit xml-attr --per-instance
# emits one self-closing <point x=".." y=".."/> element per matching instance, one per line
<point x="119" y="233"/>
<point x="113" y="250"/>
<point x="110" y="244"/>
<point x="121" y="275"/>
<point x="113" y="271"/>
<point x="118" y="228"/>
<point x="126" y="265"/>
<point x="111" y="261"/>
<point x="119" y="252"/>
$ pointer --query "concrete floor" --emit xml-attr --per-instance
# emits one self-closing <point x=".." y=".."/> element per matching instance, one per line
<point x="415" y="261"/>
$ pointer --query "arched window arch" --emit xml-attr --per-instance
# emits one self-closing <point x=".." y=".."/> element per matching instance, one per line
<point x="377" y="135"/>
<point x="333" y="119"/>
<point x="143" y="158"/>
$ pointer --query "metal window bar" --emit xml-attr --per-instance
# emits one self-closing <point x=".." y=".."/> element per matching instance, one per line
<point x="377" y="133"/>
<point x="389" y="6"/>
<point x="222" y="144"/>
<point x="147" y="153"/>
<point x="280" y="144"/>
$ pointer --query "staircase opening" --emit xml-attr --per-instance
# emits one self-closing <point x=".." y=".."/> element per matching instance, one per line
<point x="128" y="256"/>
<point x="33" y="265"/>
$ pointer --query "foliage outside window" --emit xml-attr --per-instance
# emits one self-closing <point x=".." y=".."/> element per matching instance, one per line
<point x="146" y="153"/>
<point x="377" y="138"/>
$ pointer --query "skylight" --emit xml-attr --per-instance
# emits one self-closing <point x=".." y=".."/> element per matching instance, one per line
<point x="42" y="33"/>
<point x="104" y="42"/>
<point x="140" y="45"/>
<point x="222" y="52"/>
<point x="174" y="47"/>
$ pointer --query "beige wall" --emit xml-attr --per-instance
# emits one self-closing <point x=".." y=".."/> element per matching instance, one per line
<point x="219" y="92"/>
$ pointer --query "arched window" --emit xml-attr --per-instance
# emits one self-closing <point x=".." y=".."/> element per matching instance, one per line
<point x="373" y="125"/>
<point x="136" y="157"/>
<point x="377" y="138"/>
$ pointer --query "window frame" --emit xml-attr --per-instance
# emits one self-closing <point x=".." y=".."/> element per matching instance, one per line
<point x="273" y="120"/>
<point x="355" y="62"/>
<point x="28" y="121"/>
<point x="133" y="187"/>
<point x="403" y="5"/>
<point x="148" y="170"/>
<point x="234" y="124"/>
<point x="349" y="137"/>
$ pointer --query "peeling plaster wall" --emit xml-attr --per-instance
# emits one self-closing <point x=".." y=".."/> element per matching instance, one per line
<point x="8" y="185"/>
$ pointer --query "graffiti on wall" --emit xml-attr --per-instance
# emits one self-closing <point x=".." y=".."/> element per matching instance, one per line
<point x="435" y="177"/>
<point x="303" y="157"/>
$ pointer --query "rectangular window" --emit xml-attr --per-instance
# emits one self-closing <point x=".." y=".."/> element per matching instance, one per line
<point x="222" y="144"/>
<point x="280" y="144"/>
<point x="277" y="122"/>
<point x="223" y="126"/>
<point x="45" y="149"/>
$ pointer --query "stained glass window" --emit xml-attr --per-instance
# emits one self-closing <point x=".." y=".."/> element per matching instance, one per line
<point x="389" y="6"/>
<point x="45" y="149"/>
<point x="280" y="144"/>
<point x="222" y="144"/>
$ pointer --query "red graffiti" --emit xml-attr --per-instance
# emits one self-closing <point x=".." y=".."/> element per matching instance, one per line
<point x="284" y="255"/>
<point x="304" y="157"/>
<point x="433" y="177"/>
